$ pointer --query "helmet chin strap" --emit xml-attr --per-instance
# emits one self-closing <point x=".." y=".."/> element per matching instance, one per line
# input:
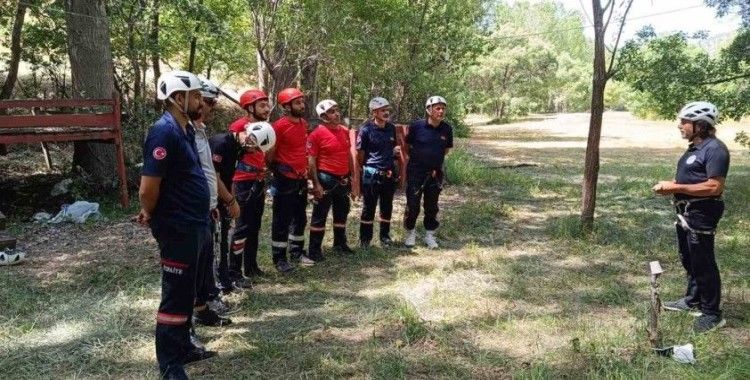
<point x="183" y="109"/>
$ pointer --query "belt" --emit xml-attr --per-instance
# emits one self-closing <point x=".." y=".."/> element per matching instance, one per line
<point x="288" y="169"/>
<point x="681" y="208"/>
<point x="241" y="166"/>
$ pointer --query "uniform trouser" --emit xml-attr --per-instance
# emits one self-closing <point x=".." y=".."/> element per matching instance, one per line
<point x="289" y="216"/>
<point x="223" y="274"/>
<point x="179" y="248"/>
<point x="379" y="191"/>
<point x="205" y="283"/>
<point x="421" y="184"/>
<point x="336" y="197"/>
<point x="698" y="258"/>
<point x="251" y="197"/>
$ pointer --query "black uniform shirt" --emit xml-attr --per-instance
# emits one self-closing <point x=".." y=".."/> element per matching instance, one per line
<point x="171" y="154"/>
<point x="378" y="144"/>
<point x="700" y="162"/>
<point x="428" y="144"/>
<point x="225" y="150"/>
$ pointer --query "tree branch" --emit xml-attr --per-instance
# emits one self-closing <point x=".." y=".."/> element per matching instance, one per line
<point x="611" y="12"/>
<point x="617" y="41"/>
<point x="724" y="80"/>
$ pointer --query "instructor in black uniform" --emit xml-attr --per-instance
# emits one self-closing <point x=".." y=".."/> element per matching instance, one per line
<point x="697" y="189"/>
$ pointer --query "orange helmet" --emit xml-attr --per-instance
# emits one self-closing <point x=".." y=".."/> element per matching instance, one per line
<point x="251" y="96"/>
<point x="288" y="94"/>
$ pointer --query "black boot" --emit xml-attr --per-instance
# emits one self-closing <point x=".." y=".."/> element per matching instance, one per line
<point x="339" y="240"/>
<point x="315" y="252"/>
<point x="385" y="234"/>
<point x="280" y="261"/>
<point x="365" y="234"/>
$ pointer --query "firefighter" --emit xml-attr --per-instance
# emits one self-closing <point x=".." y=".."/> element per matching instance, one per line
<point x="174" y="198"/>
<point x="428" y="141"/>
<point x="205" y="282"/>
<point x="249" y="188"/>
<point x="376" y="152"/>
<point x="330" y="166"/>
<point x="288" y="162"/>
<point x="697" y="189"/>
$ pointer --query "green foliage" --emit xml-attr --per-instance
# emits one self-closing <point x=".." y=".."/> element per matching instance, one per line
<point x="536" y="59"/>
<point x="667" y="72"/>
<point x="743" y="139"/>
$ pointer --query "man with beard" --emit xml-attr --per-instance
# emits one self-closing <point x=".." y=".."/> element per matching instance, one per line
<point x="206" y="283"/>
<point x="288" y="162"/>
<point x="330" y="165"/>
<point x="248" y="186"/>
<point x="174" y="199"/>
<point x="376" y="150"/>
<point x="428" y="141"/>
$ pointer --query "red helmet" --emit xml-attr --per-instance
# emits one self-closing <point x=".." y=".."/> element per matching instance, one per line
<point x="251" y="96"/>
<point x="288" y="94"/>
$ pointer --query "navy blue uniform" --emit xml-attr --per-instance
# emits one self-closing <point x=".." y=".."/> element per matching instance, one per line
<point x="424" y="172"/>
<point x="179" y="222"/>
<point x="226" y="151"/>
<point x="379" y="178"/>
<point x="695" y="240"/>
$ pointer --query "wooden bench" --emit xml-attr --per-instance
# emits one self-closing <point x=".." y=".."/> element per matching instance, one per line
<point x="61" y="120"/>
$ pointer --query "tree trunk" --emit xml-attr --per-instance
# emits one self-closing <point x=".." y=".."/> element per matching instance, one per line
<point x="132" y="53"/>
<point x="92" y="73"/>
<point x="154" y="42"/>
<point x="591" y="164"/>
<point x="309" y="77"/>
<point x="15" y="59"/>
<point x="15" y="52"/>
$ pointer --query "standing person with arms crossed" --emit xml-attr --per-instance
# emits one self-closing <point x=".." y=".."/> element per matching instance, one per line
<point x="206" y="283"/>
<point x="376" y="152"/>
<point x="697" y="189"/>
<point x="428" y="142"/>
<point x="174" y="199"/>
<point x="330" y="165"/>
<point x="288" y="162"/>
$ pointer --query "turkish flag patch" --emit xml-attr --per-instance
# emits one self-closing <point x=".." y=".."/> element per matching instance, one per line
<point x="217" y="158"/>
<point x="159" y="153"/>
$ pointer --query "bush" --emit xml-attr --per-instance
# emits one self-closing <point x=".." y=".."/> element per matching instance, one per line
<point x="743" y="139"/>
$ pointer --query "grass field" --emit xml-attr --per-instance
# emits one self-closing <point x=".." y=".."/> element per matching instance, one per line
<point x="515" y="292"/>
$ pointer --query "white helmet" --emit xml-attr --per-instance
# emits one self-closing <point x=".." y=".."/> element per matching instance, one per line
<point x="263" y="133"/>
<point x="695" y="111"/>
<point x="432" y="100"/>
<point x="177" y="80"/>
<point x="378" y="103"/>
<point x="324" y="106"/>
<point x="208" y="89"/>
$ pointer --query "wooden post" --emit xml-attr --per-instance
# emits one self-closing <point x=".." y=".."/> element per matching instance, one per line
<point x="654" y="335"/>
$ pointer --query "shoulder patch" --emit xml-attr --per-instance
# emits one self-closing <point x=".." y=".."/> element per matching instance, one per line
<point x="159" y="153"/>
<point x="217" y="158"/>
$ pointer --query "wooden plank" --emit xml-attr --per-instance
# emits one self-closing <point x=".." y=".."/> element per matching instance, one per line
<point x="32" y="139"/>
<point x="55" y="103"/>
<point x="60" y="121"/>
